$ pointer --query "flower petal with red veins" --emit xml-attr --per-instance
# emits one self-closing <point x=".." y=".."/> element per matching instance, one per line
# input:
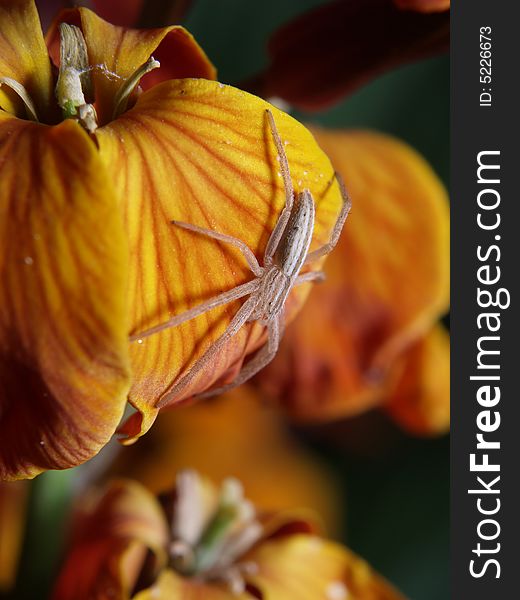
<point x="115" y="53"/>
<point x="328" y="52"/>
<point x="387" y="282"/>
<point x="23" y="57"/>
<point x="308" y="567"/>
<point x="419" y="398"/>
<point x="201" y="152"/>
<point x="109" y="543"/>
<point x="63" y="312"/>
<point x="425" y="6"/>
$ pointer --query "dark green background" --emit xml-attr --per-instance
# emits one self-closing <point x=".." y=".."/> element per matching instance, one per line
<point x="397" y="489"/>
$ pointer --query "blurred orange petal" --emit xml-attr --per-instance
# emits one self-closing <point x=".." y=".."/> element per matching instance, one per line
<point x="249" y="442"/>
<point x="63" y="314"/>
<point x="331" y="50"/>
<point x="23" y="56"/>
<point x="419" y="398"/>
<point x="117" y="52"/>
<point x="424" y="6"/>
<point x="109" y="543"/>
<point x="307" y="567"/>
<point x="13" y="502"/>
<point x="387" y="282"/>
<point x="169" y="585"/>
<point x="201" y="152"/>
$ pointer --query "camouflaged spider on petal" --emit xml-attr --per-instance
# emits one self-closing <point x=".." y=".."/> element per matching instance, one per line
<point x="287" y="251"/>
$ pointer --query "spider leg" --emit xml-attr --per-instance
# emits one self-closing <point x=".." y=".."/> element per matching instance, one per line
<point x="310" y="276"/>
<point x="236" y="323"/>
<point x="228" y="239"/>
<point x="234" y="294"/>
<point x="261" y="359"/>
<point x="345" y="209"/>
<point x="279" y="228"/>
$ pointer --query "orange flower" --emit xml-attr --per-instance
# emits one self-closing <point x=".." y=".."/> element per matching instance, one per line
<point x="89" y="184"/>
<point x="363" y="339"/>
<point x="250" y="444"/>
<point x="202" y="543"/>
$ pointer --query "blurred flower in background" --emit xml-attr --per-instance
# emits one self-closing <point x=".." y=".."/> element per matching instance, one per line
<point x="326" y="53"/>
<point x="234" y="435"/>
<point x="201" y="542"/>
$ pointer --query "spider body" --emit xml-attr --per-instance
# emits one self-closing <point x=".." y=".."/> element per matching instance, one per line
<point x="287" y="251"/>
<point x="281" y="270"/>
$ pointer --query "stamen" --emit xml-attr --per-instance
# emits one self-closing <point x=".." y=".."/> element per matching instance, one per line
<point x="74" y="87"/>
<point x="126" y="89"/>
<point x="22" y="93"/>
<point x="219" y="539"/>
<point x="188" y="520"/>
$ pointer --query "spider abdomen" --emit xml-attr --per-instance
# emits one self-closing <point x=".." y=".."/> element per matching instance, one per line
<point x="274" y="288"/>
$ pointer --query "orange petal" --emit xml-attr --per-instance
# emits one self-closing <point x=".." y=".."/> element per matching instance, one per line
<point x="387" y="282"/>
<point x="419" y="397"/>
<point x="13" y="502"/>
<point x="253" y="446"/>
<point x="425" y="6"/>
<point x="23" y="56"/>
<point x="63" y="313"/>
<point x="169" y="585"/>
<point x="308" y="567"/>
<point x="109" y="544"/>
<point x="201" y="152"/>
<point x="117" y="52"/>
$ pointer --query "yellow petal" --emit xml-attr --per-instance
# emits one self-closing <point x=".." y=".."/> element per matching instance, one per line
<point x="13" y="502"/>
<point x="117" y="52"/>
<point x="253" y="446"/>
<point x="387" y="282"/>
<point x="169" y="585"/>
<point x="109" y="543"/>
<point x="63" y="314"/>
<point x="23" y="56"/>
<point x="419" y="397"/>
<point x="201" y="152"/>
<point x="307" y="567"/>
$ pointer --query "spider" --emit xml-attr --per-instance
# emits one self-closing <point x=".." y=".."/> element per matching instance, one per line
<point x="287" y="251"/>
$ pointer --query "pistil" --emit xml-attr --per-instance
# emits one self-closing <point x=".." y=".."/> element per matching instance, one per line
<point x="74" y="86"/>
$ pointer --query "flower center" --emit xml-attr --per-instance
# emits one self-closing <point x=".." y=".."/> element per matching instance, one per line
<point x="74" y="88"/>
<point x="211" y="533"/>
